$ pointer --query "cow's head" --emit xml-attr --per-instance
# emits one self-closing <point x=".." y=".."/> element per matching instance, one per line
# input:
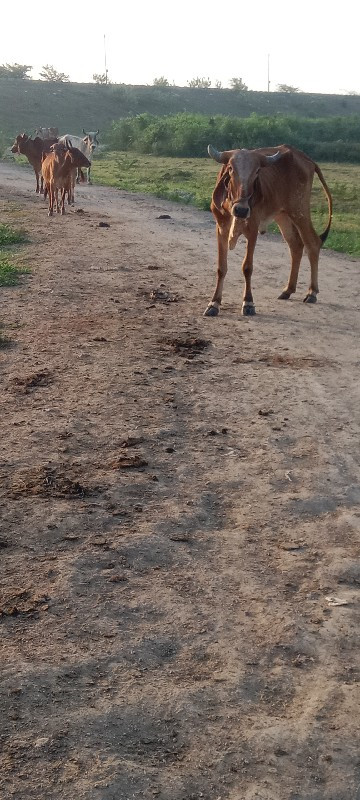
<point x="90" y="139"/>
<point x="237" y="180"/>
<point x="60" y="147"/>
<point x="20" y="140"/>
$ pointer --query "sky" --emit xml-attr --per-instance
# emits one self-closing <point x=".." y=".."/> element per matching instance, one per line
<point x="310" y="45"/>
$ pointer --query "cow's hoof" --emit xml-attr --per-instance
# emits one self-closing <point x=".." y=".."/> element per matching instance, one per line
<point x="284" y="296"/>
<point x="310" y="298"/>
<point x="212" y="310"/>
<point x="248" y="309"/>
<point x="50" y="213"/>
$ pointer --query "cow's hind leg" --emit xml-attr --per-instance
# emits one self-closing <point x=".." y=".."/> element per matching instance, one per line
<point x="312" y="244"/>
<point x="222" y="233"/>
<point x="296" y="247"/>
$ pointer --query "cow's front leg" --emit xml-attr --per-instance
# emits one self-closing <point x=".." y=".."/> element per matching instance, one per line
<point x="37" y="182"/>
<point x="248" y="307"/>
<point x="88" y="175"/>
<point x="222" y="233"/>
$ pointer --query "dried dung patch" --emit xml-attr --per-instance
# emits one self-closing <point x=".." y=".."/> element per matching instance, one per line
<point x="131" y="441"/>
<point x="48" y="482"/>
<point x="188" y="347"/>
<point x="161" y="295"/>
<point x="17" y="601"/>
<point x="275" y="360"/>
<point x="27" y="383"/>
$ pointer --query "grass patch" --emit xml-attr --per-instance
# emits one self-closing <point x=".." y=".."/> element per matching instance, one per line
<point x="9" y="273"/>
<point x="192" y="180"/>
<point x="188" y="181"/>
<point x="9" y="236"/>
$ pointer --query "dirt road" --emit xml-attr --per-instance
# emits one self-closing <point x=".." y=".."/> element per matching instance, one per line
<point x="180" y="506"/>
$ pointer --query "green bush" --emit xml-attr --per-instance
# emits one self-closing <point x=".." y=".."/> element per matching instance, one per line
<point x="187" y="135"/>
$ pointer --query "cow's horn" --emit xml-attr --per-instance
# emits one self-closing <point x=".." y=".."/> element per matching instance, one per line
<point x="275" y="157"/>
<point x="84" y="132"/>
<point x="215" y="154"/>
<point x="98" y="131"/>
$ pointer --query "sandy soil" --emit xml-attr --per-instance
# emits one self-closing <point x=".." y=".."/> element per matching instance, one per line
<point x="180" y="514"/>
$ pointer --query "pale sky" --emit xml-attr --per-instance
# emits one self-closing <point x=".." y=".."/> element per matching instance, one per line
<point x="312" y="45"/>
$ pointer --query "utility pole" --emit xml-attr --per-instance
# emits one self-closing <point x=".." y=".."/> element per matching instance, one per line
<point x="268" y="72"/>
<point x="106" y="72"/>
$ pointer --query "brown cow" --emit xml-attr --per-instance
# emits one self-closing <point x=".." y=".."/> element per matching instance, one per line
<point x="58" y="170"/>
<point x="33" y="149"/>
<point x="253" y="188"/>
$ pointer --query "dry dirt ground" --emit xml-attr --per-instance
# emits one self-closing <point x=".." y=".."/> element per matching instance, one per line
<point x="180" y="508"/>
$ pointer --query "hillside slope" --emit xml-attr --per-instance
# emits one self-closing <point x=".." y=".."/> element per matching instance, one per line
<point x="71" y="106"/>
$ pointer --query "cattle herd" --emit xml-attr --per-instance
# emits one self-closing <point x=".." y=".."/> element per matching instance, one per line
<point x="57" y="162"/>
<point x="253" y="188"/>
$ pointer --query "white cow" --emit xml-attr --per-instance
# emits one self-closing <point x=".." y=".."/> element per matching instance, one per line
<point x="87" y="145"/>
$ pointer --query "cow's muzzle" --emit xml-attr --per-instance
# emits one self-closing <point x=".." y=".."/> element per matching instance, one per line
<point x="240" y="211"/>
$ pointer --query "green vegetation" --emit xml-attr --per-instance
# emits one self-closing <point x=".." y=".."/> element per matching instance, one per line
<point x="10" y="236"/>
<point x="26" y="104"/>
<point x="187" y="181"/>
<point x="191" y="181"/>
<point x="183" y="135"/>
<point x="9" y="272"/>
<point x="17" y="71"/>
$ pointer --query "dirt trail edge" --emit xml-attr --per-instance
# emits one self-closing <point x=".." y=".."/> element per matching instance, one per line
<point x="180" y="514"/>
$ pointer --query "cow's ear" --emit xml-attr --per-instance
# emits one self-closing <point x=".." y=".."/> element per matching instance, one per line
<point x="220" y="191"/>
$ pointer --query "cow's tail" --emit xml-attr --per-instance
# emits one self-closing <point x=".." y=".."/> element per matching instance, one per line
<point x="324" y="234"/>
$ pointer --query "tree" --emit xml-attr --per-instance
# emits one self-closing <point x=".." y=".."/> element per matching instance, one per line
<point x="200" y="83"/>
<point x="161" y="82"/>
<point x="101" y="78"/>
<point x="218" y="85"/>
<point x="15" y="71"/>
<point x="238" y="85"/>
<point x="49" y="73"/>
<point x="284" y="87"/>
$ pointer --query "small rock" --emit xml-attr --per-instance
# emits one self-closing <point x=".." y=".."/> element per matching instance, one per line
<point x="42" y="741"/>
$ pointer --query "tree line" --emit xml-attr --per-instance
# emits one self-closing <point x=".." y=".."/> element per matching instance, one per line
<point x="49" y="73"/>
